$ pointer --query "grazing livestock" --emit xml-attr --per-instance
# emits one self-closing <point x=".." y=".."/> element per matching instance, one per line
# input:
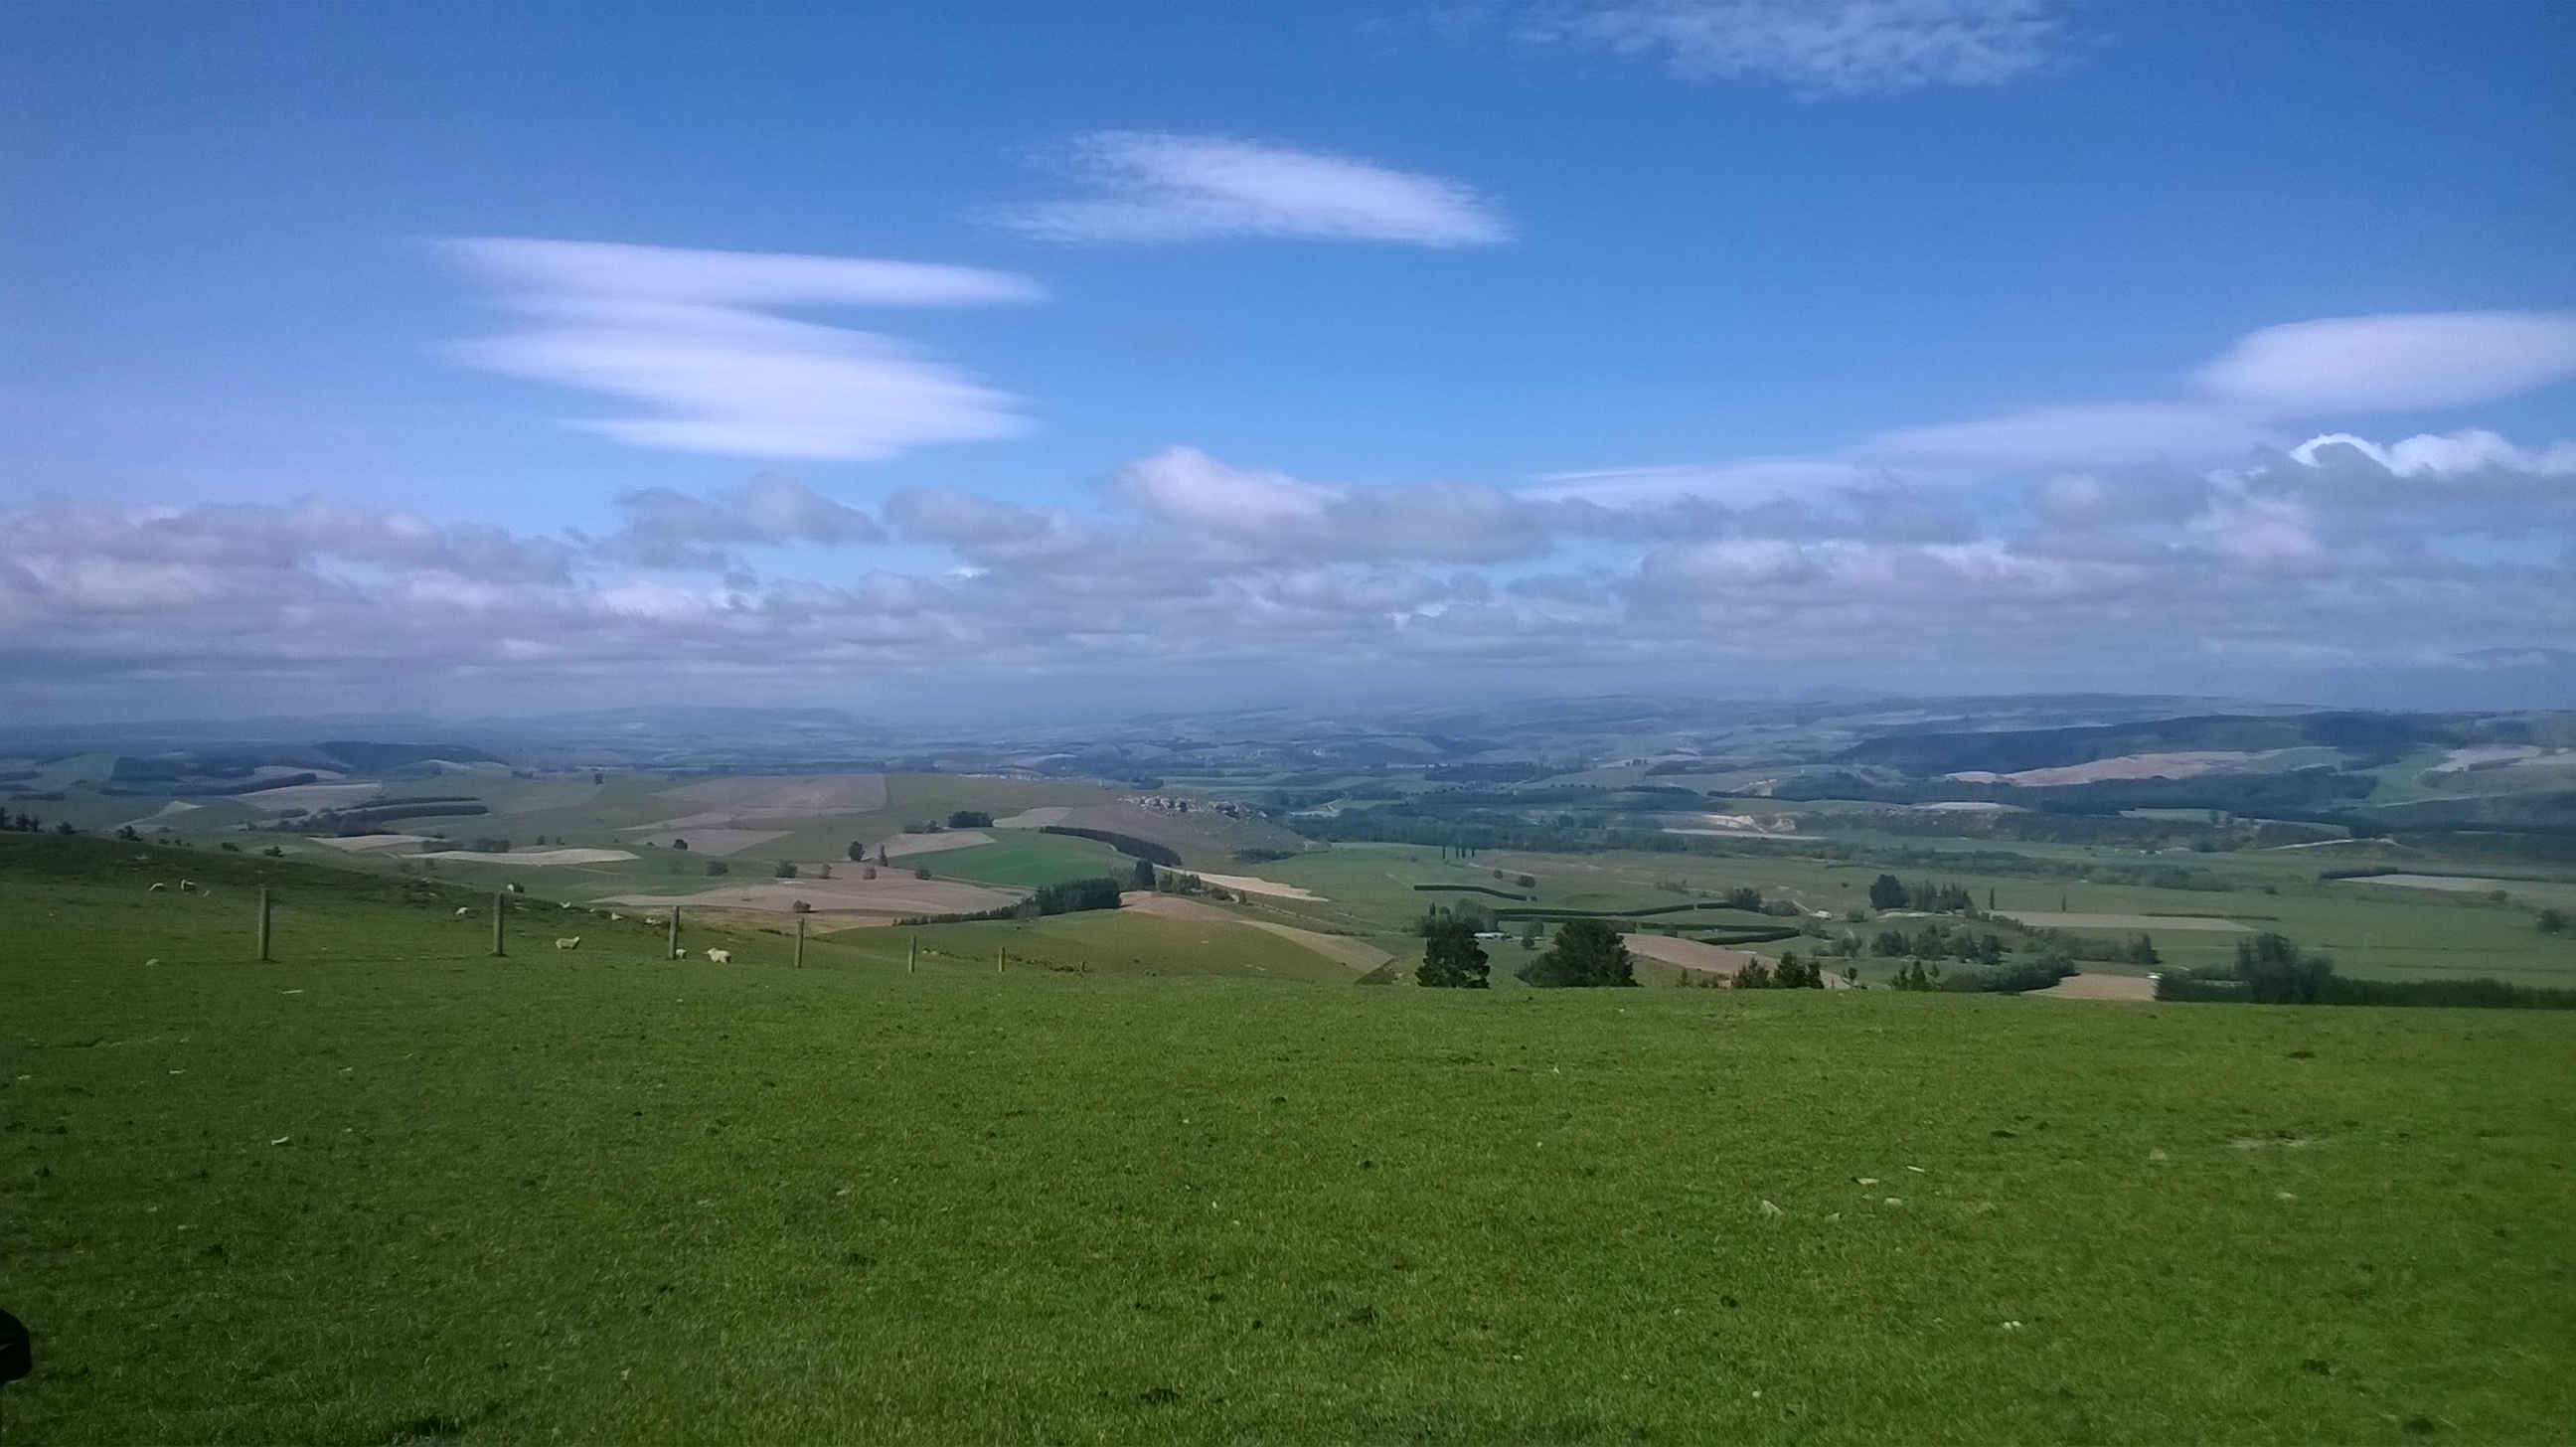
<point x="156" y="889"/>
<point x="189" y="885"/>
<point x="463" y="910"/>
<point x="679" y="954"/>
<point x="720" y="957"/>
<point x="573" y="943"/>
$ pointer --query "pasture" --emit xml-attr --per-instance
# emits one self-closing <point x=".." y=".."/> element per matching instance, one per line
<point x="389" y="1190"/>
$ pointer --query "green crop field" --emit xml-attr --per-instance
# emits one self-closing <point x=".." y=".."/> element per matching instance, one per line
<point x="389" y="1190"/>
<point x="1028" y="860"/>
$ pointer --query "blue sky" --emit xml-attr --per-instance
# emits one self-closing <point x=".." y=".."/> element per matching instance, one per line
<point x="903" y="357"/>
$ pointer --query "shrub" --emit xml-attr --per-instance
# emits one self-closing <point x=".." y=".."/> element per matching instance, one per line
<point x="921" y="873"/>
<point x="718" y="867"/>
<point x="785" y="869"/>
<point x="970" y="819"/>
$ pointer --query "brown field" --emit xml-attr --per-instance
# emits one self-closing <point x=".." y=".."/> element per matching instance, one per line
<point x="896" y="894"/>
<point x="1688" y="954"/>
<point x="902" y="846"/>
<point x="713" y="842"/>
<point x="311" y="796"/>
<point x="1358" y="954"/>
<point x="789" y="794"/>
<point x="2100" y="987"/>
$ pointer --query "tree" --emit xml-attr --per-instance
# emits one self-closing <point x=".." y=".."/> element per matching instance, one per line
<point x="2551" y="922"/>
<point x="970" y="819"/>
<point x="1887" y="892"/>
<point x="1587" y="952"/>
<point x="1144" y="874"/>
<point x="858" y="852"/>
<point x="1451" y="958"/>
<point x="680" y="844"/>
<point x="1753" y="974"/>
<point x="2142" y="951"/>
<point x="718" y="866"/>
<point x="786" y="869"/>
<point x="1745" y="898"/>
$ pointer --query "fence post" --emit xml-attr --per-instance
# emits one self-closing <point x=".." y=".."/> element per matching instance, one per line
<point x="675" y="933"/>
<point x="912" y="962"/>
<point x="499" y="902"/>
<point x="999" y="953"/>
<point x="800" y="941"/>
<point x="263" y="924"/>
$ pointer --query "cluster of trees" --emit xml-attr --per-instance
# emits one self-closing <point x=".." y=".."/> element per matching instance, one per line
<point x="2004" y="980"/>
<point x="1451" y="958"/>
<point x="1586" y="952"/>
<point x="1791" y="973"/>
<point x="1889" y="892"/>
<point x="1938" y="942"/>
<point x="30" y="824"/>
<point x="970" y="819"/>
<point x="1066" y="898"/>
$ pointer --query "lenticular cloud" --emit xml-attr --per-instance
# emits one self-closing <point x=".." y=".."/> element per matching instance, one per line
<point x="679" y="332"/>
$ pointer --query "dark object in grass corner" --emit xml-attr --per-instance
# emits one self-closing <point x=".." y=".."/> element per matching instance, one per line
<point x="17" y="1350"/>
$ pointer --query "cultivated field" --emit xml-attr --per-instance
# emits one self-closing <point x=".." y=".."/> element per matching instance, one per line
<point x="389" y="1190"/>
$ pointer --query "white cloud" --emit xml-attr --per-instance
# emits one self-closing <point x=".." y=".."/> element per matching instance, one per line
<point x="675" y="330"/>
<point x="2392" y="363"/>
<point x="1157" y="187"/>
<point x="1840" y="47"/>
<point x="2338" y="365"/>
<point x="2466" y="453"/>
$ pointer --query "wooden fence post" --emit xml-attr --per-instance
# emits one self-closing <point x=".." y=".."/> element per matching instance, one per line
<point x="500" y="901"/>
<point x="263" y="924"/>
<point x="800" y="941"/>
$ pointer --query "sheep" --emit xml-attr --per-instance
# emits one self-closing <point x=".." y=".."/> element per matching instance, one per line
<point x="720" y="957"/>
<point x="156" y="889"/>
<point x="187" y="885"/>
<point x="573" y="943"/>
<point x="679" y="954"/>
<point x="463" y="910"/>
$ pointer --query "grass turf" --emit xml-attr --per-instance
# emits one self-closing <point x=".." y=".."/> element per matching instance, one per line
<point x="396" y="1192"/>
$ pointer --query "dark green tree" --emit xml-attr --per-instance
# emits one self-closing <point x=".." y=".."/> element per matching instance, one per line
<point x="2551" y="922"/>
<point x="1450" y="957"/>
<point x="1587" y="952"/>
<point x="1887" y="892"/>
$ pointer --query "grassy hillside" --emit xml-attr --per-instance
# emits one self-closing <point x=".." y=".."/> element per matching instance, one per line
<point x="393" y="1191"/>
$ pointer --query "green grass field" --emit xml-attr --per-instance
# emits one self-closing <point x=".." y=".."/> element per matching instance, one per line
<point x="393" y="1191"/>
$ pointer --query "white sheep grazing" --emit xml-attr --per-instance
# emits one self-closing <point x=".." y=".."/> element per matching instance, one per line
<point x="679" y="954"/>
<point x="463" y="910"/>
<point x="720" y="957"/>
<point x="571" y="944"/>
<point x="156" y="889"/>
<point x="186" y="885"/>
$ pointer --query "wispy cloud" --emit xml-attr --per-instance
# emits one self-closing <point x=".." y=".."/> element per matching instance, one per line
<point x="1157" y="187"/>
<point x="1835" y="47"/>
<point x="681" y="332"/>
